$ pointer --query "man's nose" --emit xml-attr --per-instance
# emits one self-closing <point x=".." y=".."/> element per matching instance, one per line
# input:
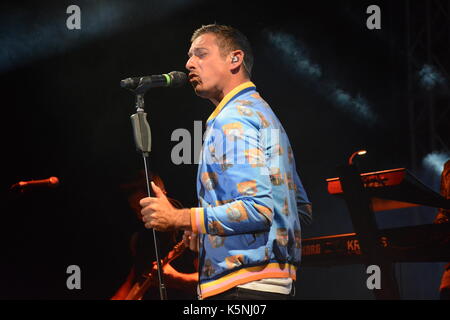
<point x="189" y="64"/>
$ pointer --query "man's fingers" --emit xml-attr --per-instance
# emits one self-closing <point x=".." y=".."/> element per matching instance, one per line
<point x="157" y="212"/>
<point x="149" y="225"/>
<point x="146" y="217"/>
<point x="147" y="214"/>
<point x="144" y="202"/>
<point x="158" y="192"/>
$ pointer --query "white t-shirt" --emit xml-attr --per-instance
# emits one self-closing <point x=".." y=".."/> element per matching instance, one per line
<point x="276" y="285"/>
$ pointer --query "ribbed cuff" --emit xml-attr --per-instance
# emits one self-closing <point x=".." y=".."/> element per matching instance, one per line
<point x="198" y="220"/>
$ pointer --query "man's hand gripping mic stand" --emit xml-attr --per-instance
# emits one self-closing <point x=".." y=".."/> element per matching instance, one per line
<point x="143" y="139"/>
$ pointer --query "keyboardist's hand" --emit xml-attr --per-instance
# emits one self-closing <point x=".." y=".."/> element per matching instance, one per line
<point x="191" y="240"/>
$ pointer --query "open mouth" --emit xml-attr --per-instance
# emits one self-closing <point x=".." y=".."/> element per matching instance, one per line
<point x="194" y="77"/>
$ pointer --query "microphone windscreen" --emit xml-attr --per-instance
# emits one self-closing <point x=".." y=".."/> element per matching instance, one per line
<point x="178" y="78"/>
<point x="129" y="83"/>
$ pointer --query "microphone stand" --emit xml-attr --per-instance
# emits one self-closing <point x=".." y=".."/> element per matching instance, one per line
<point x="142" y="137"/>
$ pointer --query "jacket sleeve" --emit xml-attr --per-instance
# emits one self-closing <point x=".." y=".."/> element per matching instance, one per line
<point x="240" y="178"/>
<point x="304" y="206"/>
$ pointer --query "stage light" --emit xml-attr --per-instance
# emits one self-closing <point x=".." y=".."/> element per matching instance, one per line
<point x="354" y="154"/>
<point x="435" y="161"/>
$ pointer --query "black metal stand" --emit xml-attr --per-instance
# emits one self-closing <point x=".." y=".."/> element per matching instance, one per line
<point x="142" y="137"/>
<point x="366" y="228"/>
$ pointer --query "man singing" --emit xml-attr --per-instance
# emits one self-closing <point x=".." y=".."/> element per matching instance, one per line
<point x="251" y="199"/>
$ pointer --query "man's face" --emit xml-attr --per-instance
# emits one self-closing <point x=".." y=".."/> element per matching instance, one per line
<point x="208" y="68"/>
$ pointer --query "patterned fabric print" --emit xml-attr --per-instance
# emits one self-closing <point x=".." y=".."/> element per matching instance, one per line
<point x="212" y="152"/>
<point x="290" y="181"/>
<point x="221" y="202"/>
<point x="223" y="162"/>
<point x="209" y="180"/>
<point x="264" y="122"/>
<point x="244" y="102"/>
<point x="275" y="176"/>
<point x="215" y="227"/>
<point x="233" y="130"/>
<point x="244" y="111"/>
<point x="225" y="165"/>
<point x="234" y="261"/>
<point x="256" y="96"/>
<point x="264" y="211"/>
<point x="236" y="212"/>
<point x="247" y="188"/>
<point x="208" y="268"/>
<point x="266" y="254"/>
<point x="286" y="207"/>
<point x="216" y="241"/>
<point x="255" y="157"/>
<point x="278" y="150"/>
<point x="282" y="237"/>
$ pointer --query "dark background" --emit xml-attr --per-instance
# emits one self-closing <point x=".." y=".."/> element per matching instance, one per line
<point x="64" y="115"/>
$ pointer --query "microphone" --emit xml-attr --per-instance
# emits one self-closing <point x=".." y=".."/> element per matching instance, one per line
<point x="173" y="79"/>
<point x="50" y="182"/>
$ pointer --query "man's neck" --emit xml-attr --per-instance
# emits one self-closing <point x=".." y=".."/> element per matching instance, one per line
<point x="230" y="86"/>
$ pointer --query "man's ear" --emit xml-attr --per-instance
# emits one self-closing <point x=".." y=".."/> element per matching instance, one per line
<point x="236" y="59"/>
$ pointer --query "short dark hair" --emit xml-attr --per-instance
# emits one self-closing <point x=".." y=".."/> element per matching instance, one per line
<point x="229" y="39"/>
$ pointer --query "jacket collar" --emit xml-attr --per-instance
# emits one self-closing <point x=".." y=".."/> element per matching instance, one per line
<point x="237" y="91"/>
